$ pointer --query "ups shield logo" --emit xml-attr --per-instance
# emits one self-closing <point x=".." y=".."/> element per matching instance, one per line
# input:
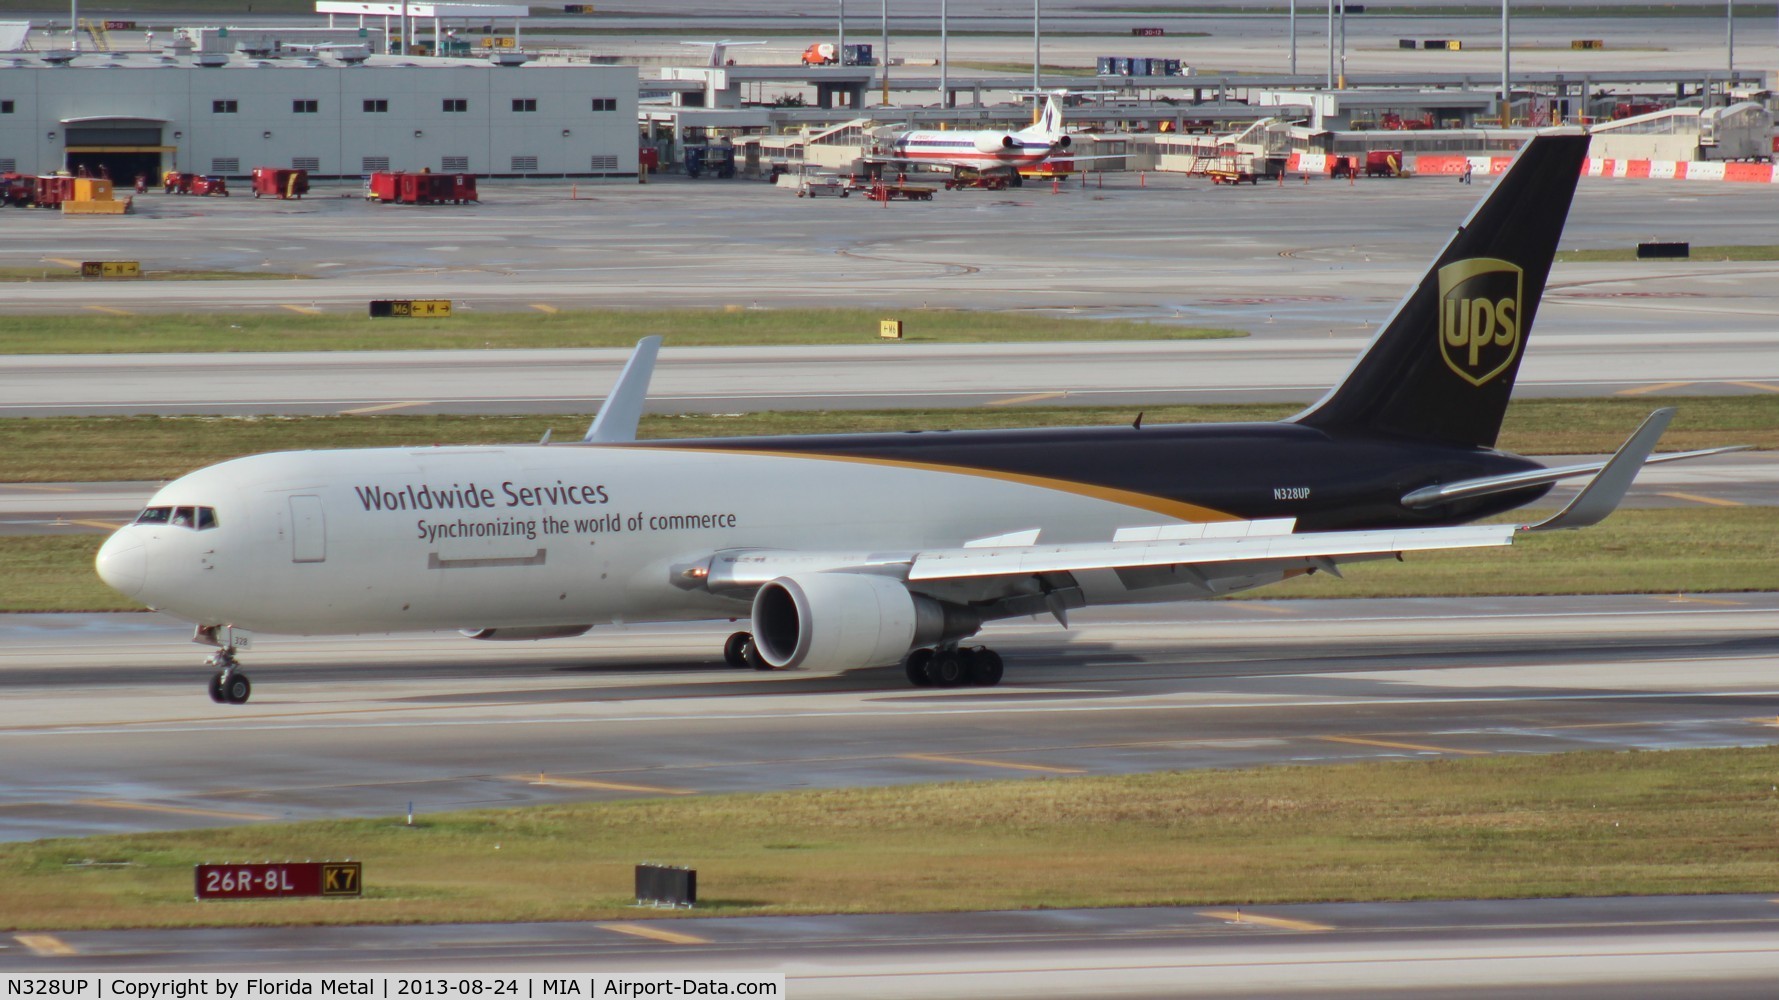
<point x="1479" y="317"/>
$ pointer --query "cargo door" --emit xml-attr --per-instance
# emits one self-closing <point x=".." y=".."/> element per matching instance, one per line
<point x="308" y="530"/>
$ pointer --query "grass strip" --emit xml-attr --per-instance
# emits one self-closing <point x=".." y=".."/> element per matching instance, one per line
<point x="1662" y="551"/>
<point x="1707" y="254"/>
<point x="93" y="449"/>
<point x="732" y="326"/>
<point x="1579" y="824"/>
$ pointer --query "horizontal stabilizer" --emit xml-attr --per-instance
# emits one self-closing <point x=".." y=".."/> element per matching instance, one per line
<point x="618" y="417"/>
<point x="1464" y="489"/>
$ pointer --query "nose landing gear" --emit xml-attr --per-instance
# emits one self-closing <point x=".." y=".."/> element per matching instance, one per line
<point x="230" y="686"/>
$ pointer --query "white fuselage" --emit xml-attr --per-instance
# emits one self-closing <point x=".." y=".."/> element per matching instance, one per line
<point x="964" y="149"/>
<point x="343" y="542"/>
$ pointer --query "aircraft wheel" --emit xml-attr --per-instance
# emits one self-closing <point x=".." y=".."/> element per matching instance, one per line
<point x="216" y="688"/>
<point x="915" y="665"/>
<point x="751" y="654"/>
<point x="946" y="669"/>
<point x="735" y="649"/>
<point x="236" y="688"/>
<point x="986" y="668"/>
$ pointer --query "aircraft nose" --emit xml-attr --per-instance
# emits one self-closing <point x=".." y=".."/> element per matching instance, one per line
<point x="123" y="563"/>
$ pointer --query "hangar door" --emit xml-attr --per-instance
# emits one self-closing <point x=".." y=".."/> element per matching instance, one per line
<point x="118" y="148"/>
<point x="308" y="530"/>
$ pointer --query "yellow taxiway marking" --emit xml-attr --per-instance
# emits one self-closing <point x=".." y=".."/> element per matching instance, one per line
<point x="47" y="945"/>
<point x="1031" y="398"/>
<point x="179" y="810"/>
<point x="1362" y="741"/>
<point x="1684" y="599"/>
<point x="545" y="307"/>
<point x="1762" y="386"/>
<point x="108" y="309"/>
<point x="380" y="407"/>
<point x="1695" y="498"/>
<point x="653" y="933"/>
<point x="1271" y="609"/>
<point x="609" y="786"/>
<point x="937" y="759"/>
<point x="108" y="525"/>
<point x="1639" y="390"/>
<point x="1283" y="923"/>
<point x="305" y="310"/>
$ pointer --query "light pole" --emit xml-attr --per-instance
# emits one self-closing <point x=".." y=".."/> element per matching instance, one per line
<point x="1037" y="50"/>
<point x="1293" y="37"/>
<point x="1729" y="44"/>
<point x="1506" y="66"/>
<point x="1330" y="44"/>
<point x="944" y="51"/>
<point x="840" y="32"/>
<point x="1343" y="44"/>
<point x="883" y="59"/>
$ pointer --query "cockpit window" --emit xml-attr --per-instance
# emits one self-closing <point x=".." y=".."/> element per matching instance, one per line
<point x="196" y="518"/>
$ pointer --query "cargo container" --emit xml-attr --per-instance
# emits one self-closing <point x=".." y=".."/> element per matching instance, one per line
<point x="50" y="192"/>
<point x="398" y="187"/>
<point x="280" y="182"/>
<point x="208" y="184"/>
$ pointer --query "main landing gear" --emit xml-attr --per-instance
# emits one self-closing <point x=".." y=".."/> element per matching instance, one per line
<point x="230" y="686"/>
<point x="739" y="652"/>
<point x="953" y="666"/>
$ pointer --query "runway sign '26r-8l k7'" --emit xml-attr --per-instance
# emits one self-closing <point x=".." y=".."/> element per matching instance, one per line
<point x="279" y="880"/>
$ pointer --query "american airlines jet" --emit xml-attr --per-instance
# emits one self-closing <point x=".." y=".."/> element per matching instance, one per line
<point x="987" y="152"/>
<point x="866" y="550"/>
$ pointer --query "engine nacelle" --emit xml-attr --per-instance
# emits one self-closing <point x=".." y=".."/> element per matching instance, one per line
<point x="995" y="143"/>
<point x="835" y="621"/>
<point x="1062" y="142"/>
<point x="534" y="632"/>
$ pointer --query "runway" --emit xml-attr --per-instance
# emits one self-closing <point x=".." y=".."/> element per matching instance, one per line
<point x="873" y="376"/>
<point x="1678" y="947"/>
<point x="364" y="726"/>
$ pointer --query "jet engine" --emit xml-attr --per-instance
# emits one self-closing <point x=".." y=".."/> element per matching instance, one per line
<point x="1062" y="142"/>
<point x="534" y="632"/>
<point x="995" y="143"/>
<point x="841" y="620"/>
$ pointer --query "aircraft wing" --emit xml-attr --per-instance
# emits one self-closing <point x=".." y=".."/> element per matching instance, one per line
<point x="1202" y="551"/>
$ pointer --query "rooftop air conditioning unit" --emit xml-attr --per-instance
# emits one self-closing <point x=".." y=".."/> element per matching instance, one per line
<point x="509" y="58"/>
<point x="60" y="57"/>
<point x="212" y="59"/>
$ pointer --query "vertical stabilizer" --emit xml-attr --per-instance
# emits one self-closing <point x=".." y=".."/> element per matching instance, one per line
<point x="1442" y="368"/>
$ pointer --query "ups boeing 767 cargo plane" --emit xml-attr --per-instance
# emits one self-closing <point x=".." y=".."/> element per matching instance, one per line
<point x="866" y="550"/>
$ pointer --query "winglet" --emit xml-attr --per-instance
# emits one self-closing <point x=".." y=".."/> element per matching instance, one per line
<point x="1602" y="496"/>
<point x="616" y="422"/>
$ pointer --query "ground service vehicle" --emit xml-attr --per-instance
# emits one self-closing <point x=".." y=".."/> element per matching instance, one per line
<point x="280" y="182"/>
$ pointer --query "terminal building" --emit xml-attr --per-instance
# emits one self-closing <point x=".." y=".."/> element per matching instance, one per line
<point x="334" y="111"/>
